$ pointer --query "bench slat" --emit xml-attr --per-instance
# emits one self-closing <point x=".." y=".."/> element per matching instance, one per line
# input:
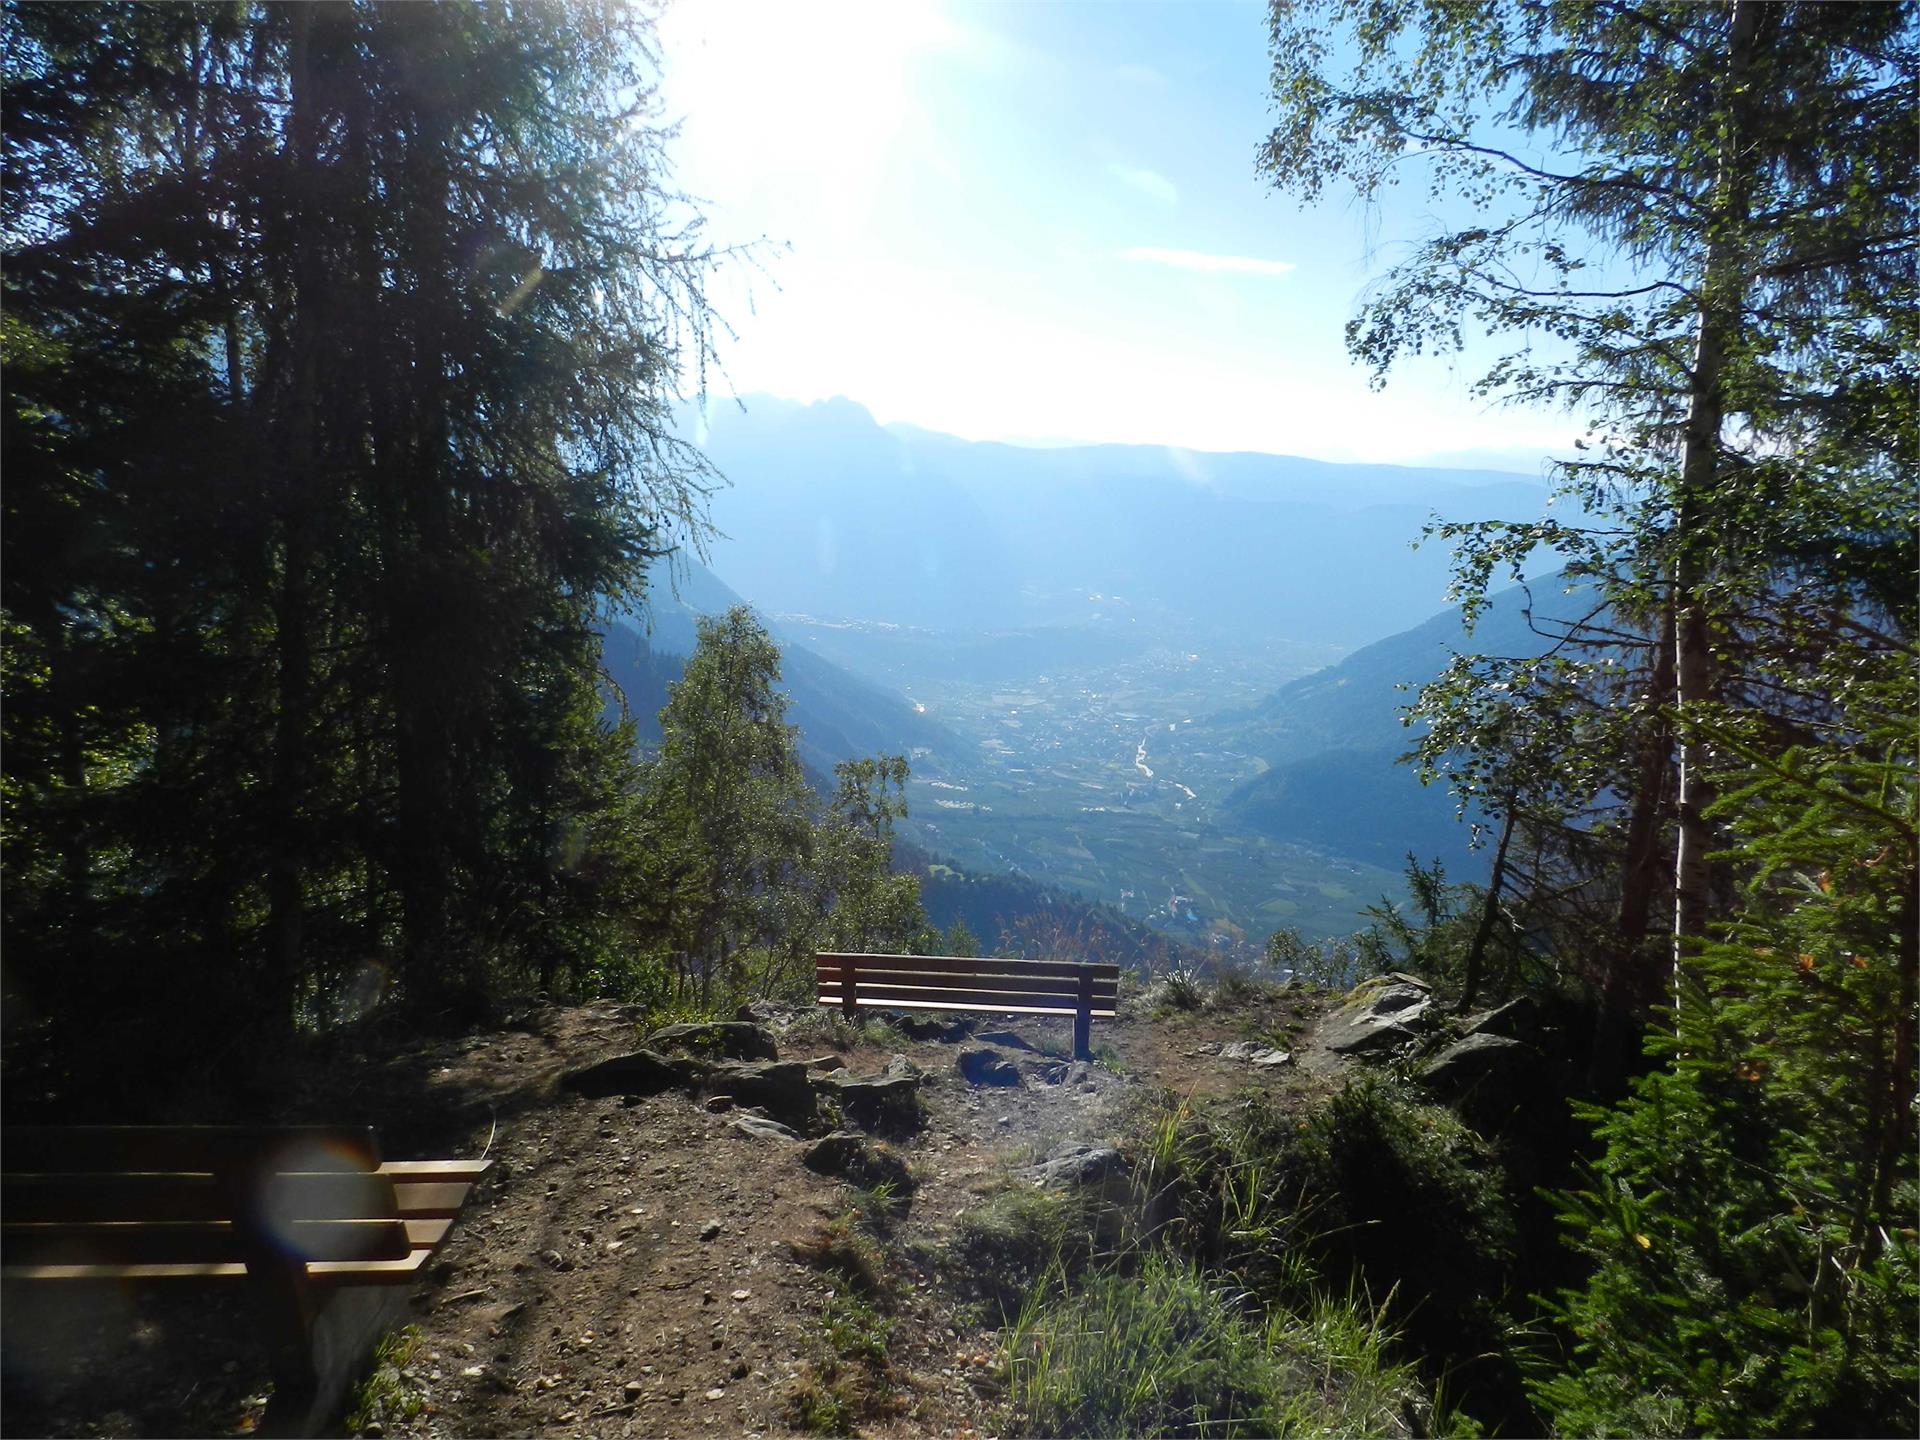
<point x="324" y="1272"/>
<point x="1000" y="984"/>
<point x="885" y="993"/>
<point x="468" y="1171"/>
<point x="1098" y="1014"/>
<point x="123" y="1149"/>
<point x="190" y="1196"/>
<point x="196" y="1242"/>
<point x="825" y="964"/>
<point x="430" y="1200"/>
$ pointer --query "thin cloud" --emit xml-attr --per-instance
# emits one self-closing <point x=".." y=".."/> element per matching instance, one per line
<point x="1147" y="182"/>
<point x="1207" y="264"/>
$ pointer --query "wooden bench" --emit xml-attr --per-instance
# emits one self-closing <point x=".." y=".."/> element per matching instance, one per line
<point x="302" y="1215"/>
<point x="954" y="982"/>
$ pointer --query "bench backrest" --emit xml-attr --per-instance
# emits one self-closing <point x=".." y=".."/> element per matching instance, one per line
<point x="955" y="982"/>
<point x="159" y="1196"/>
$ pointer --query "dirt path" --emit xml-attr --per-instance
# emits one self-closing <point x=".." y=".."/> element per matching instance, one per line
<point x="642" y="1267"/>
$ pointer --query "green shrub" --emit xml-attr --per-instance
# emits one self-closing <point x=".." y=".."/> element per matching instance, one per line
<point x="1165" y="1350"/>
<point x="1021" y="1239"/>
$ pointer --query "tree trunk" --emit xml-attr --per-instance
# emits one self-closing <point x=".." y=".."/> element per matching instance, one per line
<point x="1476" y="956"/>
<point x="1722" y="292"/>
<point x="294" y="454"/>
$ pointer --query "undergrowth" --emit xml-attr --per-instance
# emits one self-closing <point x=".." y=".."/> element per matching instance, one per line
<point x="385" y="1397"/>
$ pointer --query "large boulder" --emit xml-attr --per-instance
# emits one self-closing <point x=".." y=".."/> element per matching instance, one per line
<point x="1074" y="1165"/>
<point x="1518" y="1019"/>
<point x="717" y="1040"/>
<point x="1380" y="1014"/>
<point x="1475" y="1060"/>
<point x="983" y="1066"/>
<point x="854" y="1157"/>
<point x="886" y="1101"/>
<point x="784" y="1088"/>
<point x="644" y="1072"/>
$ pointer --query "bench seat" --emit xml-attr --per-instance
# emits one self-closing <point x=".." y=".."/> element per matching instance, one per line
<point x="968" y="983"/>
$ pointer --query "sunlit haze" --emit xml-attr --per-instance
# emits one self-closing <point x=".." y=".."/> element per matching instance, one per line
<point x="1041" y="223"/>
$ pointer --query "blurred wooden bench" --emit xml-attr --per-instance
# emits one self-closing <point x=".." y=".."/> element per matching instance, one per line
<point x="299" y="1214"/>
<point x="953" y="982"/>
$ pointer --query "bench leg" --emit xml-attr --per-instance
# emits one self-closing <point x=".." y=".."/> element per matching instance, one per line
<point x="1083" y="1019"/>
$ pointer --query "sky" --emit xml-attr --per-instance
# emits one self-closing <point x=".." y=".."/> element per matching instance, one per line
<point x="1040" y="222"/>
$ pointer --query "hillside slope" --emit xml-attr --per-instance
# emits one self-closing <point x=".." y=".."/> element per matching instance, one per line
<point x="1330" y="741"/>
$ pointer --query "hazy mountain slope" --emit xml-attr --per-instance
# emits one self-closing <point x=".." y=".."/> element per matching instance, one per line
<point x="840" y="715"/>
<point x="829" y="514"/>
<point x="1331" y="738"/>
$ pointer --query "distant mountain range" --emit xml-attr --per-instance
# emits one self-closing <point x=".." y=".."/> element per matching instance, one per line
<point x="831" y="515"/>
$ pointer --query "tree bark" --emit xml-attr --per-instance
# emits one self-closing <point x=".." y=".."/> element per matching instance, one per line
<point x="1476" y="957"/>
<point x="1723" y="291"/>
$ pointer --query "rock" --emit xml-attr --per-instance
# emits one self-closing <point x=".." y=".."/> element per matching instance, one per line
<point x="852" y="1156"/>
<point x="718" y="1039"/>
<point x="1367" y="1033"/>
<point x="826" y="1062"/>
<point x="1403" y="978"/>
<point x="761" y="1129"/>
<point x="635" y="1389"/>
<point x="1477" y="1058"/>
<point x="1517" y="1020"/>
<point x="1050" y="1071"/>
<point x="931" y="1027"/>
<point x="1212" y="1047"/>
<point x="644" y="1072"/>
<point x="768" y="1012"/>
<point x="1007" y="1038"/>
<point x="1263" y="1056"/>
<point x="887" y="1101"/>
<point x="899" y="1066"/>
<point x="1379" y="997"/>
<point x="783" y="1087"/>
<point x="710" y="1230"/>
<point x="1080" y="1073"/>
<point x="554" y="1260"/>
<point x="719" y="1104"/>
<point x="1079" y="1165"/>
<point x="982" y="1066"/>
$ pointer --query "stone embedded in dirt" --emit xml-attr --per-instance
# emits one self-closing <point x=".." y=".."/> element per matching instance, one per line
<point x="644" y="1072"/>
<point x="899" y="1066"/>
<point x="710" y="1230"/>
<point x="1212" y="1047"/>
<point x="982" y="1066"/>
<point x="826" y="1062"/>
<point x="1264" y="1056"/>
<point x="1475" y="1059"/>
<point x="887" y="1101"/>
<point x="930" y="1027"/>
<point x="555" y="1260"/>
<point x="1518" y="1019"/>
<point x="1367" y="1033"/>
<point x="852" y="1156"/>
<point x="1079" y="1165"/>
<point x="722" y="1039"/>
<point x="719" y="1104"/>
<point x="762" y="1129"/>
<point x="1007" y="1038"/>
<point x="783" y="1087"/>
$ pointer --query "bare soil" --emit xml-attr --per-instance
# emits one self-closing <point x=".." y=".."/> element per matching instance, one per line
<point x="642" y="1267"/>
